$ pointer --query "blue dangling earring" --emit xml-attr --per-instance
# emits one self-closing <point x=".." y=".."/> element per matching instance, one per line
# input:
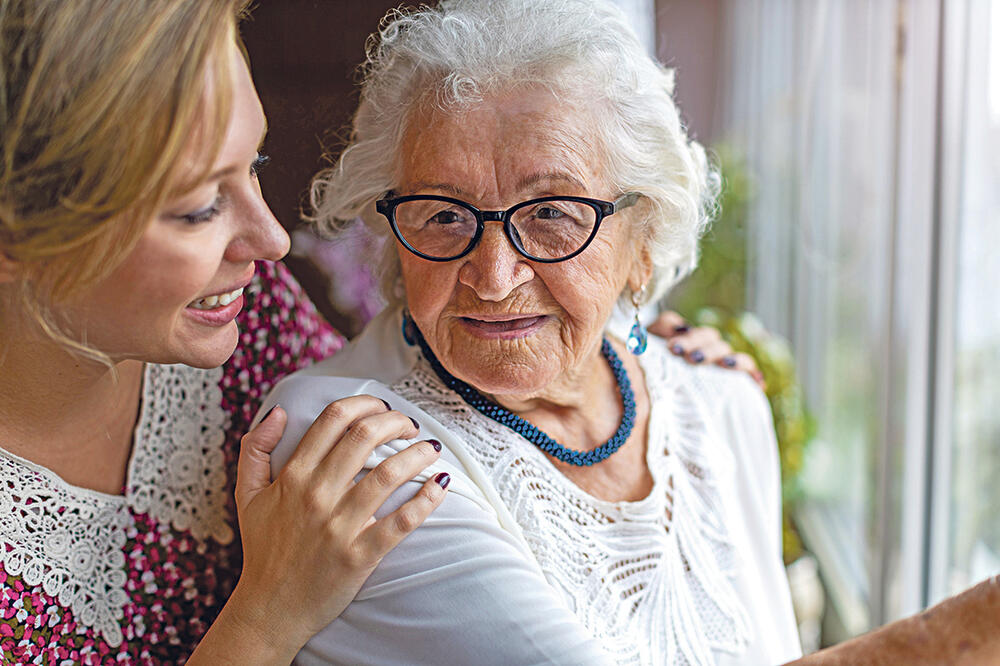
<point x="637" y="337"/>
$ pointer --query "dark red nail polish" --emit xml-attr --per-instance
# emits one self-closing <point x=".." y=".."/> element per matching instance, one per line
<point x="268" y="414"/>
<point x="436" y="444"/>
<point x="387" y="405"/>
<point x="683" y="328"/>
<point x="443" y="479"/>
<point x="415" y="424"/>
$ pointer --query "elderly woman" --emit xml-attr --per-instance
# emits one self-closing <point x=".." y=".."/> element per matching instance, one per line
<point x="608" y="503"/>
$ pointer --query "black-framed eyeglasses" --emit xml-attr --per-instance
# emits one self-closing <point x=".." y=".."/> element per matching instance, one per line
<point x="548" y="229"/>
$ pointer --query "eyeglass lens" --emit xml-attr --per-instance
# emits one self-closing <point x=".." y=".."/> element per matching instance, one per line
<point x="546" y="230"/>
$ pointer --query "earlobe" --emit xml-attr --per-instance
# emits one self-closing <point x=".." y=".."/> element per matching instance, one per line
<point x="642" y="270"/>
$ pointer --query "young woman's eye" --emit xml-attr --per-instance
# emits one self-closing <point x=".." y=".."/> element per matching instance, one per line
<point x="205" y="214"/>
<point x="259" y="163"/>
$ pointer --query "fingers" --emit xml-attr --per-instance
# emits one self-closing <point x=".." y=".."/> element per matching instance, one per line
<point x="666" y="324"/>
<point x="361" y="502"/>
<point x="348" y="456"/>
<point x="253" y="470"/>
<point x="744" y="363"/>
<point x="332" y="424"/>
<point x="695" y="344"/>
<point x="386" y="533"/>
<point x="703" y="345"/>
<point x="710" y="352"/>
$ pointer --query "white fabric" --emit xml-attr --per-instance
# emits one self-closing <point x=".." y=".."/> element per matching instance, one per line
<point x="69" y="539"/>
<point x="520" y="566"/>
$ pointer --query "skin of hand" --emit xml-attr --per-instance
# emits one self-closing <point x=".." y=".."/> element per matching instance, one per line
<point x="961" y="631"/>
<point x="286" y="594"/>
<point x="702" y="345"/>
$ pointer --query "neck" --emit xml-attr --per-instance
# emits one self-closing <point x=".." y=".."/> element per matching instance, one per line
<point x="69" y="414"/>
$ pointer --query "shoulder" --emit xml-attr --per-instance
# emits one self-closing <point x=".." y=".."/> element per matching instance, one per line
<point x="728" y="405"/>
<point x="726" y="396"/>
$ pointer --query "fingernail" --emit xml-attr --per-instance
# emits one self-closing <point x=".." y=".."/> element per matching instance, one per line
<point x="436" y="444"/>
<point x="268" y="414"/>
<point x="387" y="405"/>
<point x="677" y="349"/>
<point x="443" y="479"/>
<point x="729" y="361"/>
<point x="697" y="356"/>
<point x="683" y="328"/>
<point x="415" y="424"/>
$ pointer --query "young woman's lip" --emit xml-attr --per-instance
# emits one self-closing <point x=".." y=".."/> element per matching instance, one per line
<point x="219" y="316"/>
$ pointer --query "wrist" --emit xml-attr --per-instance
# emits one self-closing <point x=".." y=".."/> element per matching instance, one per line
<point x="259" y="629"/>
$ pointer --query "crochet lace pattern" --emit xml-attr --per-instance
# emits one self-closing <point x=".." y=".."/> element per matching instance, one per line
<point x="69" y="540"/>
<point x="651" y="579"/>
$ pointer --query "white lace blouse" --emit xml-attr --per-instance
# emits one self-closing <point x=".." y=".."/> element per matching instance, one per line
<point x="521" y="566"/>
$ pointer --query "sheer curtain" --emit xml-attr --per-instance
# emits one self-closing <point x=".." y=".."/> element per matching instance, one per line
<point x="810" y="106"/>
<point x="871" y="130"/>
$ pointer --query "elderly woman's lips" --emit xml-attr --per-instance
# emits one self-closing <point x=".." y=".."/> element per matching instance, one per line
<point x="511" y="326"/>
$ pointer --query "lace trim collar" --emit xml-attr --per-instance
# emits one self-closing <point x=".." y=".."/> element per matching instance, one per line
<point x="659" y="582"/>
<point x="177" y="473"/>
<point x="69" y="540"/>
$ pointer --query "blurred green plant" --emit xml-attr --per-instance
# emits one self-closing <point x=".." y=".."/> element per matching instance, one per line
<point x="715" y="295"/>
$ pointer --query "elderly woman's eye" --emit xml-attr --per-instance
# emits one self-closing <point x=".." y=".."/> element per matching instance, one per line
<point x="548" y="213"/>
<point x="446" y="217"/>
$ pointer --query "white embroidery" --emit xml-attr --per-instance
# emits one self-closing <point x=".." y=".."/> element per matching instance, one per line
<point x="177" y="473"/>
<point x="653" y="579"/>
<point x="70" y="540"/>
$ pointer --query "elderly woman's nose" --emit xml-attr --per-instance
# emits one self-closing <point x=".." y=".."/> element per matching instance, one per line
<point x="494" y="268"/>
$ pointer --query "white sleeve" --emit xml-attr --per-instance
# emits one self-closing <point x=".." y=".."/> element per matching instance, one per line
<point x="456" y="591"/>
<point x="462" y="589"/>
<point x="748" y="426"/>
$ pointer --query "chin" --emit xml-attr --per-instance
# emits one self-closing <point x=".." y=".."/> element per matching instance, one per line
<point x="208" y="352"/>
<point x="503" y="377"/>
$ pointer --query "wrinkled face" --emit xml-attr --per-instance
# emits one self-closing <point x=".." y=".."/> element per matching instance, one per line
<point x="175" y="297"/>
<point x="502" y="323"/>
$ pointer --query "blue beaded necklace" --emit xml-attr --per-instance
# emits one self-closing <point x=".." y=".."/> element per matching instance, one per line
<point x="488" y="408"/>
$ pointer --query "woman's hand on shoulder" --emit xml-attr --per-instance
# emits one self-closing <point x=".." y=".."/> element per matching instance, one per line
<point x="702" y="345"/>
<point x="310" y="537"/>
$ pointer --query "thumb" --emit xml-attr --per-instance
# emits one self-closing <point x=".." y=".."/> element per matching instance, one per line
<point x="253" y="471"/>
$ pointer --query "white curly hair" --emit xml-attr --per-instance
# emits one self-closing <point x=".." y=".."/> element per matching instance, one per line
<point x="456" y="54"/>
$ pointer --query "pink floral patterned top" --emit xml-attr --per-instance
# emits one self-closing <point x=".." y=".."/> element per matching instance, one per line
<point x="92" y="578"/>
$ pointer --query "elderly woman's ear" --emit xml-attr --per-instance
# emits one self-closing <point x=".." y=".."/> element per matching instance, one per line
<point x="642" y="270"/>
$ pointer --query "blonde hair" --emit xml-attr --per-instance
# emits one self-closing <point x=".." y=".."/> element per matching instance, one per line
<point x="98" y="104"/>
<point x="454" y="55"/>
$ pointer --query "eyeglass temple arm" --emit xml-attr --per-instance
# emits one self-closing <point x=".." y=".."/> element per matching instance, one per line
<point x="626" y="200"/>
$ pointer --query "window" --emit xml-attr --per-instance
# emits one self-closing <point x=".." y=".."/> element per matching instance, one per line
<point x="871" y="130"/>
